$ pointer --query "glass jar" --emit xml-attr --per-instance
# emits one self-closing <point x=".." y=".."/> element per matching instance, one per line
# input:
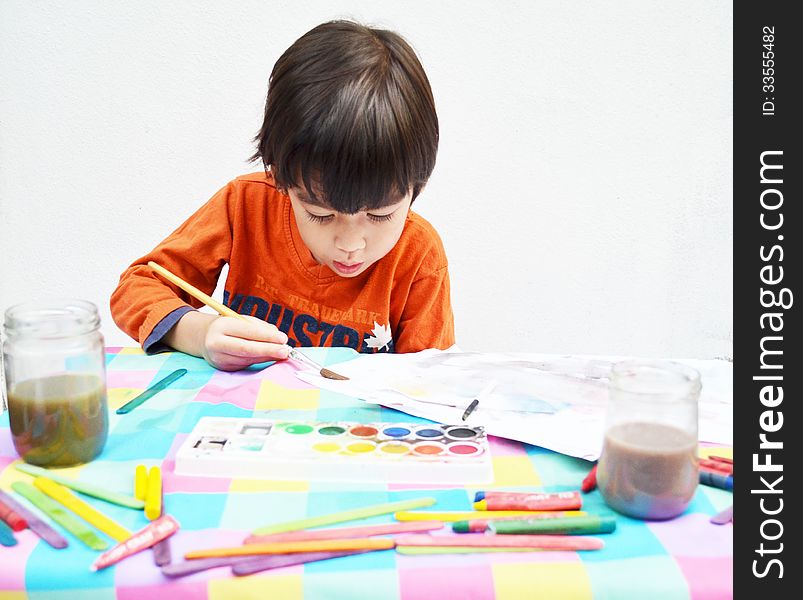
<point x="648" y="467"/>
<point x="54" y="360"/>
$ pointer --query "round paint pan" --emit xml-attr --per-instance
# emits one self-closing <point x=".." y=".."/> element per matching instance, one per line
<point x="429" y="449"/>
<point x="331" y="430"/>
<point x="428" y="432"/>
<point x="464" y="449"/>
<point x="360" y="447"/>
<point x="298" y="428"/>
<point x="394" y="448"/>
<point x="396" y="432"/>
<point x="460" y="432"/>
<point x="326" y="447"/>
<point x="363" y="431"/>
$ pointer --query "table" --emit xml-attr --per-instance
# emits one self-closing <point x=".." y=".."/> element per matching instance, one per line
<point x="687" y="557"/>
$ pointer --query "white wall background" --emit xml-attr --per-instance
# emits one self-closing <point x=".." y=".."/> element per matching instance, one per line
<point x="583" y="186"/>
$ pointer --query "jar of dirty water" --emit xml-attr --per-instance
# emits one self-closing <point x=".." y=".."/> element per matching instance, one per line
<point x="648" y="467"/>
<point x="54" y="361"/>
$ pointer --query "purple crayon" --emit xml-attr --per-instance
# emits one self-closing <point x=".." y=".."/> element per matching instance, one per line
<point x="35" y="524"/>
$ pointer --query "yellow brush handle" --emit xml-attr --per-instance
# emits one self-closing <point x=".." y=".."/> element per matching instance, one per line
<point x="97" y="519"/>
<point x="195" y="292"/>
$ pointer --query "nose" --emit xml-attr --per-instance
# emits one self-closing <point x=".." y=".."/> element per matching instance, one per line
<point x="350" y="239"/>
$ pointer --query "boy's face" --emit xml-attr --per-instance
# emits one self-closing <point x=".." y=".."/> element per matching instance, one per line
<point x="348" y="244"/>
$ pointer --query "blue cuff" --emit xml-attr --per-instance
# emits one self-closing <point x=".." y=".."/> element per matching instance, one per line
<point x="153" y="343"/>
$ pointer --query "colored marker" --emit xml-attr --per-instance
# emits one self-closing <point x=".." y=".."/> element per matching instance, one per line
<point x="80" y="486"/>
<point x="7" y="535"/>
<point x="346" y="532"/>
<point x="35" y="524"/>
<point x="458" y="515"/>
<point x="57" y="512"/>
<point x="153" y="499"/>
<point x="141" y="482"/>
<point x="11" y="517"/>
<point x="347" y="515"/>
<point x="590" y="524"/>
<point x="590" y="481"/>
<point x="517" y="501"/>
<point x="291" y="547"/>
<point x="146" y="537"/>
<point x="482" y="540"/>
<point x="480" y="525"/>
<point x="151" y="391"/>
<point x="719" y="480"/>
<point x="94" y="517"/>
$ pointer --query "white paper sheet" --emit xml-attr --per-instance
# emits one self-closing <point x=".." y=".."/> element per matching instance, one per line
<point x="556" y="402"/>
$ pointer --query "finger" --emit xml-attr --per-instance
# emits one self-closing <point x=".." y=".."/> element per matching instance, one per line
<point x="251" y="349"/>
<point x="252" y="329"/>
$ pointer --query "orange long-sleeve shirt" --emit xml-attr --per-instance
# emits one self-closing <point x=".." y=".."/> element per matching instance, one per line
<point x="401" y="303"/>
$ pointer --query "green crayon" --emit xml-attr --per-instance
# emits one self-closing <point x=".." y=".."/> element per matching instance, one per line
<point x="589" y="524"/>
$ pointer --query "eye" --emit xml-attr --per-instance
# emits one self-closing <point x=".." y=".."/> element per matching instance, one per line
<point x="381" y="218"/>
<point x="319" y="218"/>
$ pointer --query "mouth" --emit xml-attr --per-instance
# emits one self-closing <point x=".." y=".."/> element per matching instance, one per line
<point x="346" y="269"/>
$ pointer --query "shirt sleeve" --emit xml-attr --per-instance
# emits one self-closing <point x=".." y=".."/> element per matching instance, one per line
<point x="144" y="305"/>
<point x="427" y="320"/>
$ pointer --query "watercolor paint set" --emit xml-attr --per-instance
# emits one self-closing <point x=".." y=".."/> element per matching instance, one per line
<point x="253" y="448"/>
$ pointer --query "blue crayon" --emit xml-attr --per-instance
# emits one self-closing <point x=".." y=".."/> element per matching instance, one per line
<point x="719" y="480"/>
<point x="6" y="535"/>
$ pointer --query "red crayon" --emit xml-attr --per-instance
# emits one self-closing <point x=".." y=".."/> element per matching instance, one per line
<point x="12" y="518"/>
<point x="590" y="481"/>
<point x="520" y="501"/>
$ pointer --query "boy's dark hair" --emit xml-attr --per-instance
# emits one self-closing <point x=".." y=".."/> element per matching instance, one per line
<point x="349" y="115"/>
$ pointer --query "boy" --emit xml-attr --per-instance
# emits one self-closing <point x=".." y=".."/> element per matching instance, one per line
<point x="322" y="247"/>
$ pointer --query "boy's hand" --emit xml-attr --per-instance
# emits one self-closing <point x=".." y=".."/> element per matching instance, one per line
<point x="232" y="344"/>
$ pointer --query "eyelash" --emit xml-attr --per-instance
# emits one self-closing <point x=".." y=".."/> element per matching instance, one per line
<point x="327" y="218"/>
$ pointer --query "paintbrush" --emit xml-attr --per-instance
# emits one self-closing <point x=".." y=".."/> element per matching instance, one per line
<point x="227" y="312"/>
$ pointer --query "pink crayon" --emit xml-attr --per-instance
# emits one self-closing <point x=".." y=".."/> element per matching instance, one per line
<point x="481" y="540"/>
<point x="153" y="533"/>
<point x="346" y="532"/>
<point x="519" y="501"/>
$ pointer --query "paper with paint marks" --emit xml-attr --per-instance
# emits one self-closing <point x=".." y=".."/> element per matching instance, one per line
<point x="556" y="402"/>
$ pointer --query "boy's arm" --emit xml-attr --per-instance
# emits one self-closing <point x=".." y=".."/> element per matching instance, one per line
<point x="145" y="306"/>
<point x="427" y="320"/>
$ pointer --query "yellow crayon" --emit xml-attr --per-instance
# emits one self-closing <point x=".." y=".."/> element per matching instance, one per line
<point x="141" y="482"/>
<point x="89" y="514"/>
<point x="153" y="499"/>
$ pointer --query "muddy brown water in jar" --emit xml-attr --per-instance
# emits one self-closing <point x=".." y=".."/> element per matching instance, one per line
<point x="60" y="420"/>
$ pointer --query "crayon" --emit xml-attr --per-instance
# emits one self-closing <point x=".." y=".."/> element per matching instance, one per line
<point x="515" y="501"/>
<point x="80" y="486"/>
<point x="590" y="524"/>
<point x="716" y="465"/>
<point x="714" y="479"/>
<point x="11" y="517"/>
<point x="162" y="554"/>
<point x="152" y="533"/>
<point x="35" y="524"/>
<point x="263" y="563"/>
<point x="153" y="499"/>
<point x="346" y="532"/>
<point x="590" y="480"/>
<point x="462" y="515"/>
<point x="141" y="482"/>
<point x="94" y="517"/>
<point x="723" y="517"/>
<point x="151" y="391"/>
<point x="189" y="567"/>
<point x="7" y="535"/>
<point x="56" y="511"/>
<point x="346" y="515"/>
<point x="480" y="525"/>
<point x="722" y="459"/>
<point x="422" y="550"/>
<point x="290" y="547"/>
<point x="482" y="540"/>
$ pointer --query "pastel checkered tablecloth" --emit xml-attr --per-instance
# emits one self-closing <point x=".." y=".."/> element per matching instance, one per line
<point x="687" y="557"/>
